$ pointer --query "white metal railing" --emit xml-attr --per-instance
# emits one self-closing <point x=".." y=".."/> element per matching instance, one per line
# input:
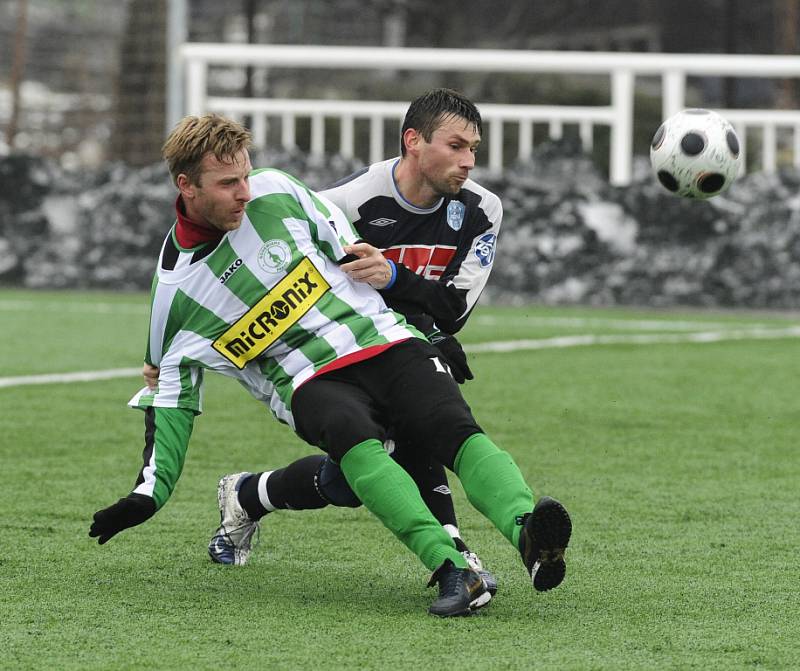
<point x="621" y="68"/>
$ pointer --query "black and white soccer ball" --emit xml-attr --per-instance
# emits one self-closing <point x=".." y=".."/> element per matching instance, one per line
<point x="696" y="154"/>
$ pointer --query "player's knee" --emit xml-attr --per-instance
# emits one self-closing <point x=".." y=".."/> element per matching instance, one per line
<point x="332" y="486"/>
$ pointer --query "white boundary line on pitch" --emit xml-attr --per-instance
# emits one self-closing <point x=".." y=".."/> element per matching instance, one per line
<point x="92" y="308"/>
<point x="66" y="378"/>
<point x="607" y="322"/>
<point x="702" y="337"/>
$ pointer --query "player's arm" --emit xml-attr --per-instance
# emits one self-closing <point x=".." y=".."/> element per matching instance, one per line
<point x="169" y="417"/>
<point x="167" y="432"/>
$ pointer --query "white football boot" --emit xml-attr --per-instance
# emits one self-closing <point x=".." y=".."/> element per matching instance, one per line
<point x="231" y="543"/>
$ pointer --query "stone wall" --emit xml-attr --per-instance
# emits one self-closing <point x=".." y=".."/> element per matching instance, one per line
<point x="567" y="237"/>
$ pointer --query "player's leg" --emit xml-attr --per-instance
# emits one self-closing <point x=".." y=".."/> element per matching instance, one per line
<point x="333" y="413"/>
<point x="307" y="483"/>
<point x="431" y="479"/>
<point x="338" y="414"/>
<point x="427" y="407"/>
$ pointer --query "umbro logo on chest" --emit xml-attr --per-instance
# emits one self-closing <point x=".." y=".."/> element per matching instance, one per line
<point x="382" y="221"/>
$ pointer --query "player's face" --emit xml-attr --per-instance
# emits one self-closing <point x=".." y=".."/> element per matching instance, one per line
<point x="218" y="201"/>
<point x="446" y="160"/>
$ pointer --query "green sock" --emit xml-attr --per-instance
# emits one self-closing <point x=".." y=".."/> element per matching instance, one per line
<point x="493" y="484"/>
<point x="391" y="495"/>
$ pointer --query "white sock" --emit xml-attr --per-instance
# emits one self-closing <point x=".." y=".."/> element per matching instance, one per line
<point x="452" y="530"/>
<point x="262" y="491"/>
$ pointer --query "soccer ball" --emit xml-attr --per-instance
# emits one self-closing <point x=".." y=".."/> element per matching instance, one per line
<point x="696" y="154"/>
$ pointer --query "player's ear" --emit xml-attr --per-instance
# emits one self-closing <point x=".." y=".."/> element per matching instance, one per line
<point x="412" y="139"/>
<point x="185" y="186"/>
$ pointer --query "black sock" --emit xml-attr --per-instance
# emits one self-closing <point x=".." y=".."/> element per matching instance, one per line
<point x="431" y="479"/>
<point x="291" y="487"/>
<point x="248" y="497"/>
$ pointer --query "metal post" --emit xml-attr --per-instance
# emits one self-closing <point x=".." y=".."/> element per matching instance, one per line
<point x="196" y="75"/>
<point x="346" y="136"/>
<point x="177" y="33"/>
<point x="768" y="148"/>
<point x="673" y="98"/>
<point x="621" y="159"/>
<point x="17" y="67"/>
<point x="496" y="145"/>
<point x="376" y="139"/>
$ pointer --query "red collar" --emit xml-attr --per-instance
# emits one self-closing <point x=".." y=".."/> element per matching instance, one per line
<point x="190" y="234"/>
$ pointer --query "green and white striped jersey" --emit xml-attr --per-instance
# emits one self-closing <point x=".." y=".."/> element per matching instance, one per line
<point x="268" y="306"/>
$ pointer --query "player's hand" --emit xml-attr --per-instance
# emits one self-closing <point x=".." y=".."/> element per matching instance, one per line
<point x="150" y="375"/>
<point x="370" y="266"/>
<point x="127" y="512"/>
<point x="453" y="355"/>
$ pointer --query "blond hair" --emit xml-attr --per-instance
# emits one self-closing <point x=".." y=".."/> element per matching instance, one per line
<point x="194" y="137"/>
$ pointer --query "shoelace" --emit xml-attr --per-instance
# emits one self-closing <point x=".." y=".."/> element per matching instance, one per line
<point x="450" y="582"/>
<point x="246" y="543"/>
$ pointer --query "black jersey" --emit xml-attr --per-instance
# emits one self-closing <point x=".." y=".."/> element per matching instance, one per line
<point x="443" y="254"/>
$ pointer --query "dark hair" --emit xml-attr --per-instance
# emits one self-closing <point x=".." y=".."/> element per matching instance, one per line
<point x="426" y="113"/>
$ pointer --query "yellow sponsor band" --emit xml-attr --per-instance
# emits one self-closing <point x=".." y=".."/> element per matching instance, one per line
<point x="273" y="315"/>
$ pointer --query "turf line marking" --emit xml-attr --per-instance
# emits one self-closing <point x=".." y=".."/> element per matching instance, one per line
<point x="601" y="322"/>
<point x="62" y="378"/>
<point x="92" y="308"/>
<point x="640" y="339"/>
<point x="499" y="346"/>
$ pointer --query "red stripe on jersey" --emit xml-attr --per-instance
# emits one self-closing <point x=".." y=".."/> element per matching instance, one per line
<point x="353" y="357"/>
<point x="426" y="260"/>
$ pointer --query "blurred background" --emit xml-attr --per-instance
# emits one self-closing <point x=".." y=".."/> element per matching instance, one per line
<point x="88" y="91"/>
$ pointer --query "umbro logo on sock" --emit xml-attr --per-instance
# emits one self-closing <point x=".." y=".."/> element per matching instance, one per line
<point x="442" y="489"/>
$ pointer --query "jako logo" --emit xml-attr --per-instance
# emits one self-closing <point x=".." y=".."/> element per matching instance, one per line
<point x="273" y="315"/>
<point x="230" y="271"/>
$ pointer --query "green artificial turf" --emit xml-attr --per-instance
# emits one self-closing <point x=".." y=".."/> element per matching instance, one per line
<point x="678" y="463"/>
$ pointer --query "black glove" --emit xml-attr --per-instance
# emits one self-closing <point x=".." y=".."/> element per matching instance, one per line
<point x="453" y="355"/>
<point x="127" y="512"/>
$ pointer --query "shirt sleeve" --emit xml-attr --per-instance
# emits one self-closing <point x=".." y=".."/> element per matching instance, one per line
<point x="167" y="433"/>
<point x="334" y="229"/>
<point x="180" y="385"/>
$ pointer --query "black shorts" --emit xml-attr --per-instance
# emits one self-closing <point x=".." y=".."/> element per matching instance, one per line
<point x="406" y="387"/>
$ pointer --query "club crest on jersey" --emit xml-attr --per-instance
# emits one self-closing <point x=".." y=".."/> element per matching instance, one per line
<point x="455" y="214"/>
<point x="274" y="256"/>
<point x="484" y="249"/>
<point x="273" y="315"/>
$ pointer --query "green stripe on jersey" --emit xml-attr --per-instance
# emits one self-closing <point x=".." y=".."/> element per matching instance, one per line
<point x="315" y="349"/>
<point x="190" y="393"/>
<point x="317" y="202"/>
<point x="362" y="328"/>
<point x="275" y="373"/>
<point x="246" y="286"/>
<point x="287" y="205"/>
<point x="272" y="209"/>
<point x="199" y="319"/>
<point x="172" y="428"/>
<point x="148" y="356"/>
<point x="222" y="258"/>
<point x="241" y="281"/>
